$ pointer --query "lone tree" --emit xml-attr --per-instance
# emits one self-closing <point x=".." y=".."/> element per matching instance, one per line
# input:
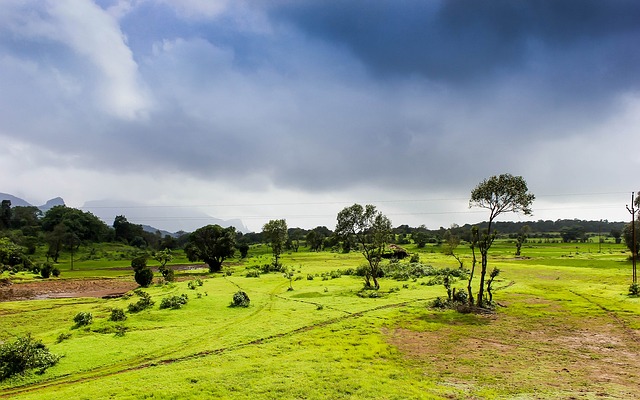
<point x="451" y="243"/>
<point x="498" y="194"/>
<point x="275" y="233"/>
<point x="370" y="229"/>
<point x="211" y="244"/>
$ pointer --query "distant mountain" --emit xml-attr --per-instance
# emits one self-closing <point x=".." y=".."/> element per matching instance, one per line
<point x="151" y="229"/>
<point x="15" y="201"/>
<point x="18" y="202"/>
<point x="167" y="218"/>
<point x="51" y="203"/>
<point x="152" y="218"/>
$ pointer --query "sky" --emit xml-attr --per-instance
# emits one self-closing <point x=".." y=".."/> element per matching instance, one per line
<point x="275" y="109"/>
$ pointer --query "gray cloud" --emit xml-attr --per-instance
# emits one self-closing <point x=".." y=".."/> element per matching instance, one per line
<point x="325" y="96"/>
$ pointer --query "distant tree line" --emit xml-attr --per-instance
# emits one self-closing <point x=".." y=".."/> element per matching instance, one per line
<point x="65" y="228"/>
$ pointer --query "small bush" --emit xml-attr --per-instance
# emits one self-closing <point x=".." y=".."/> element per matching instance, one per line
<point x="117" y="314"/>
<point x="460" y="296"/>
<point x="253" y="274"/>
<point x="194" y="283"/>
<point x="45" y="270"/>
<point x="273" y="267"/>
<point x="439" y="302"/>
<point x="240" y="299"/>
<point x="83" y="318"/>
<point x="174" y="302"/>
<point x="120" y="331"/>
<point x="55" y="271"/>
<point x="309" y="277"/>
<point x="143" y="277"/>
<point x="634" y="290"/>
<point x="415" y="258"/>
<point x="139" y="263"/>
<point x="62" y="337"/>
<point x="167" y="274"/>
<point x="142" y="304"/>
<point x="25" y="354"/>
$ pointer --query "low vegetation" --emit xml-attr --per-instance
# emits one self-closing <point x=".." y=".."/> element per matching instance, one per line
<point x="556" y="319"/>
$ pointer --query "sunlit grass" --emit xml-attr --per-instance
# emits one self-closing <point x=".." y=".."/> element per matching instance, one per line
<point x="322" y="340"/>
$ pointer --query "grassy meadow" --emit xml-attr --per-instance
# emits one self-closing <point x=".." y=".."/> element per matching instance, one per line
<point x="564" y="328"/>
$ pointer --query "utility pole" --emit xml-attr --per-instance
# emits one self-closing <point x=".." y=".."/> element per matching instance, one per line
<point x="632" y="211"/>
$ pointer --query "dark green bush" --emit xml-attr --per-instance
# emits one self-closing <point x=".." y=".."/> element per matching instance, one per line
<point x="55" y="272"/>
<point x="25" y="354"/>
<point x="273" y="267"/>
<point x="634" y="290"/>
<point x="144" y="277"/>
<point x="167" y="274"/>
<point x="460" y="296"/>
<point x="83" y="318"/>
<point x="240" y="299"/>
<point x="62" y="337"/>
<point x="45" y="270"/>
<point x="439" y="302"/>
<point x="194" y="283"/>
<point x="117" y="314"/>
<point x="142" y="304"/>
<point x="139" y="263"/>
<point x="174" y="302"/>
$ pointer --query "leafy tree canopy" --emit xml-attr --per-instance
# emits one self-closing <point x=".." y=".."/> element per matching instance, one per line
<point x="211" y="244"/>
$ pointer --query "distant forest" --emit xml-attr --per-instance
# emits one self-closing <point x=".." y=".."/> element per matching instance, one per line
<point x="66" y="228"/>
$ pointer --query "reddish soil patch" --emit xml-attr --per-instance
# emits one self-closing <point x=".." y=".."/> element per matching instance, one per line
<point x="65" y="289"/>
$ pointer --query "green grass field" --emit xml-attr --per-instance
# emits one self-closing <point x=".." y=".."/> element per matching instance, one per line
<point x="565" y="328"/>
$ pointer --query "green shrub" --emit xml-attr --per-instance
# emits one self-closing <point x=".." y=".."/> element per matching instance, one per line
<point x="83" y="318"/>
<point x="309" y="277"/>
<point x="253" y="274"/>
<point x="142" y="304"/>
<point x="120" y="331"/>
<point x="167" y="274"/>
<point x="634" y="290"/>
<point x="194" y="283"/>
<point x="62" y="337"/>
<point x="45" y="270"/>
<point x="25" y="354"/>
<point x="174" y="302"/>
<point x="439" y="302"/>
<point x="139" y="263"/>
<point x="55" y="271"/>
<point x="460" y="296"/>
<point x="273" y="267"/>
<point x="117" y="314"/>
<point x="240" y="299"/>
<point x="144" y="277"/>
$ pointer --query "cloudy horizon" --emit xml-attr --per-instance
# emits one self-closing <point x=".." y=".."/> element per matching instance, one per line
<point x="295" y="109"/>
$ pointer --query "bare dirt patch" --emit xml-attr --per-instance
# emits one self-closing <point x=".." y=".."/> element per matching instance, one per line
<point x="66" y="288"/>
<point x="551" y="361"/>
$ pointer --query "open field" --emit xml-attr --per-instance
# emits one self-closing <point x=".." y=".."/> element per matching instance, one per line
<point x="565" y="329"/>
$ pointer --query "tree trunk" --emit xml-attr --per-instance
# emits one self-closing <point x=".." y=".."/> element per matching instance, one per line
<point x="473" y="268"/>
<point x="214" y="264"/>
<point x="483" y="272"/>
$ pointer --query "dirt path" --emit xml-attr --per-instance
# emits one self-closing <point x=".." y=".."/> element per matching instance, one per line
<point x="68" y="288"/>
<point x="65" y="288"/>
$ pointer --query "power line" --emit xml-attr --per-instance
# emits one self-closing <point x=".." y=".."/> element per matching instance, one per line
<point x="334" y="202"/>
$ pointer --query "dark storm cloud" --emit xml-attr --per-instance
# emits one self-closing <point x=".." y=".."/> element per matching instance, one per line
<point x="466" y="40"/>
<point x="323" y="95"/>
